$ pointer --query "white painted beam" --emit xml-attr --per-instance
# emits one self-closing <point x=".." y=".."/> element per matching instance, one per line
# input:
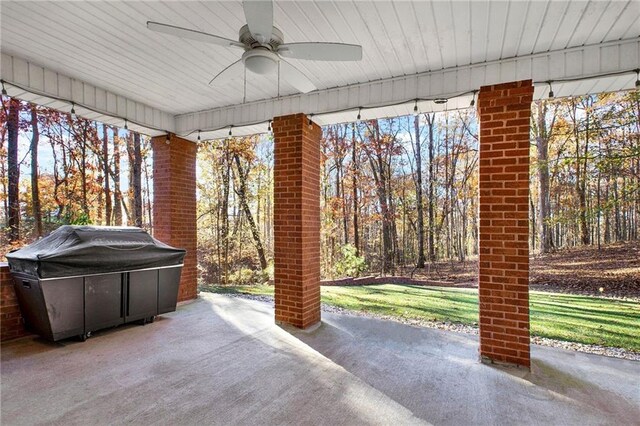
<point x="581" y="63"/>
<point x="33" y="83"/>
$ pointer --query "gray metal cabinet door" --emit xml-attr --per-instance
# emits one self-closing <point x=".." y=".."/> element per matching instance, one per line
<point x="64" y="299"/>
<point x="142" y="300"/>
<point x="168" y="285"/>
<point x="103" y="301"/>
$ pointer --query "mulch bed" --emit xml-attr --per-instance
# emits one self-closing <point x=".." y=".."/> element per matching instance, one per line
<point x="613" y="271"/>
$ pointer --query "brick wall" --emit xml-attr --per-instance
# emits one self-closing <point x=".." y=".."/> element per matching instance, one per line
<point x="11" y="325"/>
<point x="174" y="203"/>
<point x="505" y="112"/>
<point x="297" y="220"/>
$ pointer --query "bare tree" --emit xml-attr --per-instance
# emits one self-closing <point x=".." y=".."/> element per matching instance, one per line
<point x="35" y="191"/>
<point x="543" y="132"/>
<point x="117" y="205"/>
<point x="417" y="151"/>
<point x="13" y="221"/>
<point x="106" y="172"/>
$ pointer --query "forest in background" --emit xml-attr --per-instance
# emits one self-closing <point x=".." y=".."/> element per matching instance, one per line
<point x="402" y="193"/>
<point x="58" y="168"/>
<point x="396" y="193"/>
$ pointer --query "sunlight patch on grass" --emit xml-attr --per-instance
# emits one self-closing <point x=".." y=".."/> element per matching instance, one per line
<point x="572" y="318"/>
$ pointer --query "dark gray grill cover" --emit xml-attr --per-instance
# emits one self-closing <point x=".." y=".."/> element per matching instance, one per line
<point x="85" y="250"/>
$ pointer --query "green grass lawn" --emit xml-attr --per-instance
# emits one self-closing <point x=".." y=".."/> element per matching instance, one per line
<point x="572" y="318"/>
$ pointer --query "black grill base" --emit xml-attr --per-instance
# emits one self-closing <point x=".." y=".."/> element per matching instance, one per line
<point x="60" y="308"/>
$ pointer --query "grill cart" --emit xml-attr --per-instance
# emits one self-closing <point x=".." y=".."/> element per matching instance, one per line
<point x="80" y="279"/>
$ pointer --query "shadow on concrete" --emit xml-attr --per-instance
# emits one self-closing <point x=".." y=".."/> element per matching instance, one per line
<point x="438" y="376"/>
<point x="217" y="361"/>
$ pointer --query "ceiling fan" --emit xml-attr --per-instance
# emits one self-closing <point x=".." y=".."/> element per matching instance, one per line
<point x="264" y="47"/>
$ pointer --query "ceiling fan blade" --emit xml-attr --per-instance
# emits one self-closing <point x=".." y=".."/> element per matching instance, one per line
<point x="259" y="16"/>
<point x="232" y="72"/>
<point x="321" y="51"/>
<point x="295" y="77"/>
<point x="192" y="34"/>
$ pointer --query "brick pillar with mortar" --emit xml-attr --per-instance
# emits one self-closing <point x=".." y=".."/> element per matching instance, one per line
<point x="297" y="220"/>
<point x="174" y="203"/>
<point x="11" y="323"/>
<point x="504" y="112"/>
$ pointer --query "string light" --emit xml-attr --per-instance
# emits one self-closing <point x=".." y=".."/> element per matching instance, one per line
<point x="73" y="111"/>
<point x="415" y="109"/>
<point x="126" y="124"/>
<point x="360" y="108"/>
<point x="310" y="123"/>
<point x="167" y="139"/>
<point x="198" y="135"/>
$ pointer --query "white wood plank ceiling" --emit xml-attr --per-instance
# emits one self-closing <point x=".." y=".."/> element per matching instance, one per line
<point x="106" y="45"/>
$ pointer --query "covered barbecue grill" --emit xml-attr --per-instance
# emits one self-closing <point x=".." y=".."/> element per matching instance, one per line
<point x="84" y="278"/>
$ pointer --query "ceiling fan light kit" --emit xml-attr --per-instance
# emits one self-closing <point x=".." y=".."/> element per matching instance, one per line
<point x="264" y="47"/>
<point x="260" y="61"/>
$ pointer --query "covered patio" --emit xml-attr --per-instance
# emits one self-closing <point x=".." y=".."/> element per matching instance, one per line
<point x="223" y="360"/>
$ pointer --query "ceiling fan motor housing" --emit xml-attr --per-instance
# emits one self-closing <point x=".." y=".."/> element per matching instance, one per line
<point x="245" y="37"/>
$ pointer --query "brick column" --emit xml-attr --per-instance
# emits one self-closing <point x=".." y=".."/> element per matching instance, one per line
<point x="505" y="112"/>
<point x="174" y="203"/>
<point x="297" y="220"/>
<point x="11" y="323"/>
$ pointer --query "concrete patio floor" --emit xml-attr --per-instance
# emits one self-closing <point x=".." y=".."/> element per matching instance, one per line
<point x="221" y="360"/>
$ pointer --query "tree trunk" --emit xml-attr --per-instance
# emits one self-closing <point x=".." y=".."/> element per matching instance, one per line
<point x="136" y="184"/>
<point x="354" y="177"/>
<point x="430" y="118"/>
<point x="117" y="195"/>
<point x="345" y="215"/>
<point x="542" y="144"/>
<point x="582" y="196"/>
<point x="225" y="213"/>
<point x="381" y="190"/>
<point x="13" y="221"/>
<point x="420" y="224"/>
<point x="35" y="191"/>
<point x="148" y="195"/>
<point x="242" y="193"/>
<point x="105" y="171"/>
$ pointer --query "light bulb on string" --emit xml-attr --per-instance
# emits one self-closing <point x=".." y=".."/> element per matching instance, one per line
<point x="126" y="125"/>
<point x="167" y="139"/>
<point x="4" y="90"/>
<point x="230" y="133"/>
<point x="73" y="111"/>
<point x="415" y="108"/>
<point x="637" y="80"/>
<point x="269" y="126"/>
<point x="473" y="99"/>
<point x="309" y="122"/>
<point x="550" y="90"/>
<point x="199" y="136"/>
<point x="359" y="117"/>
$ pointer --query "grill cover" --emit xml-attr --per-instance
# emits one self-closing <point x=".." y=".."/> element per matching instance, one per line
<point x="84" y="250"/>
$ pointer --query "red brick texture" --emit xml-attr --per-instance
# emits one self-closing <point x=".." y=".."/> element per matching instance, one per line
<point x="11" y="323"/>
<point x="297" y="220"/>
<point x="174" y="204"/>
<point x="505" y="113"/>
